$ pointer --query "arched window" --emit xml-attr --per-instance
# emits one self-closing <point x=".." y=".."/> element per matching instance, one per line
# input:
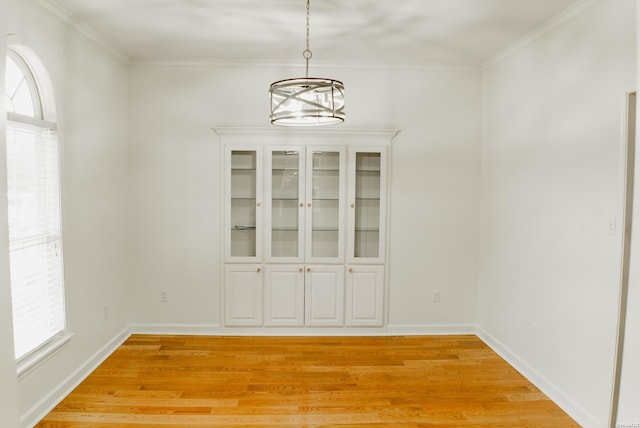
<point x="33" y="193"/>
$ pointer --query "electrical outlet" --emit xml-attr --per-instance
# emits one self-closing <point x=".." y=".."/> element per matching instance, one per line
<point x="164" y="296"/>
<point x="436" y="297"/>
<point x="106" y="311"/>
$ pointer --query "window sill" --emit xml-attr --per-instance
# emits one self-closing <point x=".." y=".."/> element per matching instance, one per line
<point x="28" y="364"/>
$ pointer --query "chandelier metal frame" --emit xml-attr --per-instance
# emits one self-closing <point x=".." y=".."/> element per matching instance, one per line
<point x="307" y="101"/>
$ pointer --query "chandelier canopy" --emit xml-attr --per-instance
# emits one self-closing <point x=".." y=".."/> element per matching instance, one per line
<point x="307" y="101"/>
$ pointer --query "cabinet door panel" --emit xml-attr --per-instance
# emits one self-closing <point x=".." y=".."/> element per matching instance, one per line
<point x="243" y="194"/>
<point x="243" y="295"/>
<point x="325" y="195"/>
<point x="365" y="296"/>
<point x="367" y="205"/>
<point x="284" y="296"/>
<point x="284" y="193"/>
<point x="324" y="296"/>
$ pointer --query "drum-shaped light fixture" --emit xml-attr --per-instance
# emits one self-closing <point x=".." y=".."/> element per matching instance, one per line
<point x="307" y="101"/>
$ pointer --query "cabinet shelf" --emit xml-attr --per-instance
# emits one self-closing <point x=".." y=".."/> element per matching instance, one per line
<point x="242" y="169"/>
<point x="243" y="228"/>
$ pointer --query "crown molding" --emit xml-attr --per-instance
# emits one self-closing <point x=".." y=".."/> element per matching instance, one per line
<point x="564" y="16"/>
<point x="55" y="9"/>
<point x="319" y="65"/>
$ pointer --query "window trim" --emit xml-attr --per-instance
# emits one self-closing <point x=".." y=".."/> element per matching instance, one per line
<point x="31" y="82"/>
<point x="33" y="121"/>
<point x="27" y="363"/>
<point x="40" y="86"/>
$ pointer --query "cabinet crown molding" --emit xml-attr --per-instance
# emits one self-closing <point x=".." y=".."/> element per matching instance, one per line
<point x="306" y="132"/>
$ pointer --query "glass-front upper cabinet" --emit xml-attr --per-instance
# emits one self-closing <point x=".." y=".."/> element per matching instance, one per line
<point x="325" y="196"/>
<point x="367" y="205"/>
<point x="285" y="196"/>
<point x="243" y="212"/>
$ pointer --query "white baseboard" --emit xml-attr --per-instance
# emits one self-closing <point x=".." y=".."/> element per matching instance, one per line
<point x="178" y="329"/>
<point x="430" y="329"/>
<point x="51" y="400"/>
<point x="578" y="413"/>
<point x="220" y="330"/>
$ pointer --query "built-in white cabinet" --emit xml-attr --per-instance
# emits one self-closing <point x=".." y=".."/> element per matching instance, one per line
<point x="284" y="295"/>
<point x="324" y="296"/>
<point x="305" y="200"/>
<point x="243" y="295"/>
<point x="304" y="295"/>
<point x="305" y="220"/>
<point x="365" y="296"/>
<point x="367" y="205"/>
<point x="243" y="204"/>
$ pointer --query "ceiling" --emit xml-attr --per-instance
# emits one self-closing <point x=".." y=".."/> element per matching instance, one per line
<point x="447" y="32"/>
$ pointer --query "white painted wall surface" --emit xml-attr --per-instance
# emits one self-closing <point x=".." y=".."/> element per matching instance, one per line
<point x="9" y="402"/>
<point x="175" y="163"/>
<point x="91" y="93"/>
<point x="552" y="133"/>
<point x="629" y="410"/>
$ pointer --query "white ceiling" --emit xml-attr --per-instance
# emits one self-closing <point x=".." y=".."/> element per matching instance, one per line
<point x="450" y="32"/>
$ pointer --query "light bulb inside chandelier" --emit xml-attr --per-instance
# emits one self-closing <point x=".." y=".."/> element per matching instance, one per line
<point x="307" y="101"/>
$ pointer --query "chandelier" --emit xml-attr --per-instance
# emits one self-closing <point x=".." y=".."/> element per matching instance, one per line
<point x="307" y="101"/>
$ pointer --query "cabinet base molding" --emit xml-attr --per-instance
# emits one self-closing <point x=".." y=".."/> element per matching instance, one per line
<point x="220" y="330"/>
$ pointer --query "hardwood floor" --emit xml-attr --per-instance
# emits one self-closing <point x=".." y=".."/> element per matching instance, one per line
<point x="187" y="381"/>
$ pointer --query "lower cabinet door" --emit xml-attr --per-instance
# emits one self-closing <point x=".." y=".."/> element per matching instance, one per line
<point x="243" y="295"/>
<point x="284" y="295"/>
<point x="365" y="296"/>
<point x="324" y="296"/>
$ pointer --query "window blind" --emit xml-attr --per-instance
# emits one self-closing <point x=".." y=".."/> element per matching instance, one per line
<point x="35" y="244"/>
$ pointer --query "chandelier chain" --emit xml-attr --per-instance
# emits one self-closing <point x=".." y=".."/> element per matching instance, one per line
<point x="307" y="53"/>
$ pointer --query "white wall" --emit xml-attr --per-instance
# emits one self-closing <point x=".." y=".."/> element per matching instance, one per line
<point x="628" y="410"/>
<point x="9" y="402"/>
<point x="552" y="133"/>
<point x="176" y="182"/>
<point x="91" y="93"/>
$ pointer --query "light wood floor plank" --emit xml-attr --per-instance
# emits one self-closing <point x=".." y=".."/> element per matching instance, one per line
<point x="405" y="382"/>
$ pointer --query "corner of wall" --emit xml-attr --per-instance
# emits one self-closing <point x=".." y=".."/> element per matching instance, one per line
<point x="57" y="394"/>
<point x="577" y="412"/>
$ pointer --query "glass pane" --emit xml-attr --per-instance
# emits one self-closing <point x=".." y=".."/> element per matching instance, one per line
<point x="285" y="197"/>
<point x="18" y="96"/>
<point x="243" y="203"/>
<point x="325" y="204"/>
<point x="367" y="214"/>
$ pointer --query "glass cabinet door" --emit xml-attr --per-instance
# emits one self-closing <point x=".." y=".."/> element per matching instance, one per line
<point x="243" y="216"/>
<point x="325" y="196"/>
<point x="285" y="187"/>
<point x="367" y="205"/>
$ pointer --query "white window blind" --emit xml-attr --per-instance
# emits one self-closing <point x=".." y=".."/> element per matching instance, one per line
<point x="35" y="244"/>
